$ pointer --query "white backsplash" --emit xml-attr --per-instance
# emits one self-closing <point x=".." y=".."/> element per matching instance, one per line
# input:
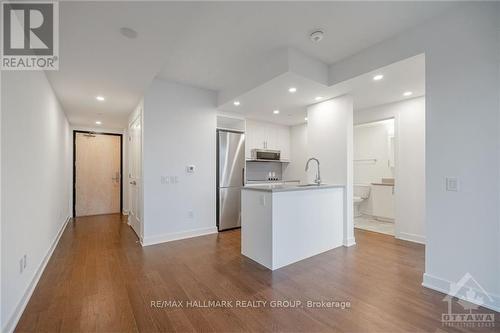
<point x="260" y="170"/>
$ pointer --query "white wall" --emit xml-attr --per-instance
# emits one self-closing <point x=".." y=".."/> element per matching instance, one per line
<point x="410" y="171"/>
<point x="409" y="116"/>
<point x="372" y="141"/>
<point x="298" y="154"/>
<point x="35" y="183"/>
<point x="329" y="138"/>
<point x="179" y="130"/>
<point x="462" y="137"/>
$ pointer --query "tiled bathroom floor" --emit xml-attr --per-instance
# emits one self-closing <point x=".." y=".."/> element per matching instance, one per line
<point x="370" y="224"/>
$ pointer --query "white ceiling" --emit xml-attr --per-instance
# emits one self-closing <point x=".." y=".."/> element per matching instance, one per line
<point x="206" y="44"/>
<point x="259" y="103"/>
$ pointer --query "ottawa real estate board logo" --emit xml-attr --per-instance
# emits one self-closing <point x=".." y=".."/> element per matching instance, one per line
<point x="465" y="299"/>
<point x="30" y="35"/>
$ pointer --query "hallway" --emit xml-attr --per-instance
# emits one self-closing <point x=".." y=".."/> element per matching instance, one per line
<point x="101" y="279"/>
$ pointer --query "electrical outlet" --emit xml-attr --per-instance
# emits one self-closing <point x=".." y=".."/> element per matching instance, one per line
<point x="452" y="184"/>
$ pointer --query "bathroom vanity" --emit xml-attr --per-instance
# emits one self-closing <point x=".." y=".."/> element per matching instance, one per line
<point x="283" y="224"/>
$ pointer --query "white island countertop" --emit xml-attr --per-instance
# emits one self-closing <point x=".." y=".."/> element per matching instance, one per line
<point x="283" y="224"/>
<point x="287" y="188"/>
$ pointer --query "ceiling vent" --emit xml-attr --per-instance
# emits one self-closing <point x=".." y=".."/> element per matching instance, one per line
<point x="317" y="36"/>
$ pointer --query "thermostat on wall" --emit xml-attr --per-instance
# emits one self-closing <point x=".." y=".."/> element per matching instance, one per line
<point x="190" y="168"/>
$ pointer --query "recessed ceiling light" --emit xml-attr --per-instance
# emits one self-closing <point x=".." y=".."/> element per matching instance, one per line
<point x="407" y="93"/>
<point x="378" y="77"/>
<point x="318" y="98"/>
<point x="98" y="122"/>
<point x="100" y="98"/>
<point x="305" y="118"/>
<point x="292" y="90"/>
<point x="276" y="111"/>
<point x="236" y="103"/>
<point x="128" y="32"/>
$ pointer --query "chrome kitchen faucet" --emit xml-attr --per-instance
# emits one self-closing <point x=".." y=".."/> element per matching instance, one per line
<point x="318" y="174"/>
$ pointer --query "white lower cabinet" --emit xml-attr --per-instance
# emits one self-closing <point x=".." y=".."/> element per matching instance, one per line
<point x="382" y="197"/>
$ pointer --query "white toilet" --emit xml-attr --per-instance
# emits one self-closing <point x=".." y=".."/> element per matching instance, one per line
<point x="361" y="193"/>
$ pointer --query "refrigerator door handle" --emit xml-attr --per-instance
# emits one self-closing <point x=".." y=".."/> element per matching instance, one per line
<point x="243" y="176"/>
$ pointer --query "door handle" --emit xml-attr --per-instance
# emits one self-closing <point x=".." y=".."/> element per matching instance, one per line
<point x="116" y="178"/>
<point x="133" y="182"/>
<point x="243" y="176"/>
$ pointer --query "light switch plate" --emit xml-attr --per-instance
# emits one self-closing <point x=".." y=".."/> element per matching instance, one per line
<point x="452" y="184"/>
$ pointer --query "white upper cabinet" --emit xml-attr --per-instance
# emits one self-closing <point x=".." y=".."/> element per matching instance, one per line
<point x="262" y="135"/>
<point x="230" y="123"/>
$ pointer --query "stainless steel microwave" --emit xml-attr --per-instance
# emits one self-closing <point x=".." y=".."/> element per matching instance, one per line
<point x="266" y="154"/>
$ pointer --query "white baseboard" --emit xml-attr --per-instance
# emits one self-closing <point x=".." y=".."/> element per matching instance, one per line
<point x="384" y="219"/>
<point x="349" y="242"/>
<point x="443" y="285"/>
<point x="146" y="241"/>
<point x="411" y="237"/>
<point x="14" y="319"/>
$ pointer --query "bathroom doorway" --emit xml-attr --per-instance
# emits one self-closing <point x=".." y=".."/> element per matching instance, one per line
<point x="374" y="176"/>
<point x="389" y="169"/>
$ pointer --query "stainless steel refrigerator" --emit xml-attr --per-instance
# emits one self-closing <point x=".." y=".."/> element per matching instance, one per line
<point x="230" y="178"/>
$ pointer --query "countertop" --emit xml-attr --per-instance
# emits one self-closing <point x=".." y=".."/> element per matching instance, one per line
<point x="288" y="188"/>
<point x="270" y="182"/>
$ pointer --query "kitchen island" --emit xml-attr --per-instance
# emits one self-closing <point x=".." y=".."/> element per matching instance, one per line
<point x="283" y="224"/>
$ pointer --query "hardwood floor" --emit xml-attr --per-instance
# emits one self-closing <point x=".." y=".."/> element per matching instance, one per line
<point x="100" y="279"/>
